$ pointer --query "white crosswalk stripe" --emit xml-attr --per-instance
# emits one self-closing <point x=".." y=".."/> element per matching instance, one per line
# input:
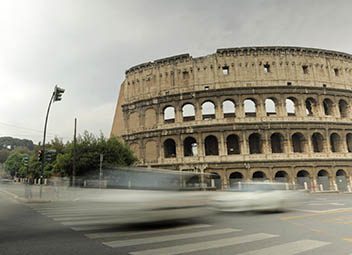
<point x="103" y="226"/>
<point x="147" y="232"/>
<point x="165" y="238"/>
<point x="201" y="246"/>
<point x="288" y="248"/>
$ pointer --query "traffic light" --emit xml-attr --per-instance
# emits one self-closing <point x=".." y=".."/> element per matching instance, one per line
<point x="58" y="93"/>
<point x="25" y="160"/>
<point x="50" y="155"/>
<point x="40" y="155"/>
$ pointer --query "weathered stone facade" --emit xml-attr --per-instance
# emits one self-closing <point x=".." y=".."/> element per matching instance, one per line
<point x="277" y="113"/>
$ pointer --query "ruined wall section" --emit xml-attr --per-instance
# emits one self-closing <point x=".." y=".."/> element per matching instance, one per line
<point x="245" y="67"/>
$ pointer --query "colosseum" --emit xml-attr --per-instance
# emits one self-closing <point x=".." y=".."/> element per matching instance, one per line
<point x="250" y="113"/>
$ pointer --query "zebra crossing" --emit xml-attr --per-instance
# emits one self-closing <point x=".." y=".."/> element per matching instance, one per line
<point x="95" y="224"/>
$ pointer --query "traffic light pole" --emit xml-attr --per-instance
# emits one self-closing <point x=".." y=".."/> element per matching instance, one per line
<point x="43" y="146"/>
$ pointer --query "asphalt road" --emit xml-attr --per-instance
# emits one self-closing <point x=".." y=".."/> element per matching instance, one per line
<point x="322" y="225"/>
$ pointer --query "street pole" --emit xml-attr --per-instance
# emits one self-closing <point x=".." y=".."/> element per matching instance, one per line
<point x="56" y="96"/>
<point x="43" y="146"/>
<point x="101" y="170"/>
<point x="74" y="156"/>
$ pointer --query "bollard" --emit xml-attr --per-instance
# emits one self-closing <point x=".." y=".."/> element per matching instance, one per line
<point x="335" y="187"/>
<point x="321" y="187"/>
<point x="305" y="186"/>
<point x="45" y="181"/>
<point x="212" y="183"/>
<point x="239" y="186"/>
<point x="349" y="188"/>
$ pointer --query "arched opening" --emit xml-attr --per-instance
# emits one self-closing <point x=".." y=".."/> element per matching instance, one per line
<point x="208" y="110"/>
<point x="188" y="112"/>
<point x="235" y="178"/>
<point x="311" y="105"/>
<point x="328" y="107"/>
<point x="193" y="181"/>
<point x="341" y="180"/>
<point x="233" y="145"/>
<point x="190" y="147"/>
<point x="215" y="180"/>
<point x="228" y="107"/>
<point x="169" y="148"/>
<point x="281" y="176"/>
<point x="277" y="143"/>
<point x="290" y="106"/>
<point x="349" y="142"/>
<point x="255" y="143"/>
<point x="259" y="176"/>
<point x="270" y="107"/>
<point x="303" y="179"/>
<point x="317" y="142"/>
<point x="298" y="142"/>
<point x="211" y="145"/>
<point x="323" y="180"/>
<point x="343" y="108"/>
<point x="250" y="108"/>
<point x="169" y="114"/>
<point x="335" y="142"/>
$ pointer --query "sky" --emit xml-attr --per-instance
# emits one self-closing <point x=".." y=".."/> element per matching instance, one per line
<point x="85" y="47"/>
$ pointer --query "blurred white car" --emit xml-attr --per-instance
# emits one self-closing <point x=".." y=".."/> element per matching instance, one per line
<point x="139" y="195"/>
<point x="257" y="196"/>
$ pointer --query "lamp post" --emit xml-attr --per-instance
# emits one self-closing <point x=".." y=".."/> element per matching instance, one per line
<point x="56" y="96"/>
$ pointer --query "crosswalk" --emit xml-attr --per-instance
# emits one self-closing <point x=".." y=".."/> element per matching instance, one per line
<point x="99" y="225"/>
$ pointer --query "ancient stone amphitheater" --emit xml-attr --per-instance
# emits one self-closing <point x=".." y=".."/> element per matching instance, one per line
<point x="251" y="113"/>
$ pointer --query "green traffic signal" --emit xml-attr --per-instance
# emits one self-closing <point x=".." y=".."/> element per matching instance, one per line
<point x="25" y="160"/>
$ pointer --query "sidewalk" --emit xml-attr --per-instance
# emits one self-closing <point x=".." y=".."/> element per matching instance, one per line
<point x="31" y="193"/>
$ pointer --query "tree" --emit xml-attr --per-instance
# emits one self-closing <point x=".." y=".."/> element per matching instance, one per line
<point x="88" y="150"/>
<point x="11" y="143"/>
<point x="14" y="164"/>
<point x="4" y="153"/>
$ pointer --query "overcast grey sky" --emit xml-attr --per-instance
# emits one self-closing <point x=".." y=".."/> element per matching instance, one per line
<point x="86" y="46"/>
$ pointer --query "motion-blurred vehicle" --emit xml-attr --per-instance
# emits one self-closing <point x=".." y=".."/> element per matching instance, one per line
<point x="258" y="196"/>
<point x="5" y="181"/>
<point x="139" y="195"/>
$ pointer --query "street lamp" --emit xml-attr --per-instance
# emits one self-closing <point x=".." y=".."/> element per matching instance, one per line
<point x="56" y="96"/>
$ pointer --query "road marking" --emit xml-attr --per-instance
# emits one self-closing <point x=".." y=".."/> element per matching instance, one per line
<point x="165" y="238"/>
<point x="88" y="228"/>
<point x="337" y="204"/>
<point x="130" y="233"/>
<point x="332" y="211"/>
<point x="288" y="248"/>
<point x="201" y="246"/>
<point x="91" y="222"/>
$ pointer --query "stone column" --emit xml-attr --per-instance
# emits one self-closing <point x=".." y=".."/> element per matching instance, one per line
<point x="198" y="110"/>
<point x="200" y="145"/>
<point x="310" y="147"/>
<point x="260" y="109"/>
<point x="327" y="142"/>
<point x="266" y="143"/>
<point x="240" y="109"/>
<point x="179" y="147"/>
<point x="218" y="110"/>
<point x="222" y="151"/>
<point x="178" y="114"/>
<point x="244" y="144"/>
<point x="160" y="114"/>
<point x="280" y="108"/>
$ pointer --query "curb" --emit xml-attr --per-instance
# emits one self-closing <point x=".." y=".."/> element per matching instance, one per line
<point x="25" y="200"/>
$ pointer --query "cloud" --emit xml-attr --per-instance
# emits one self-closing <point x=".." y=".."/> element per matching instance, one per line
<point x="86" y="46"/>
